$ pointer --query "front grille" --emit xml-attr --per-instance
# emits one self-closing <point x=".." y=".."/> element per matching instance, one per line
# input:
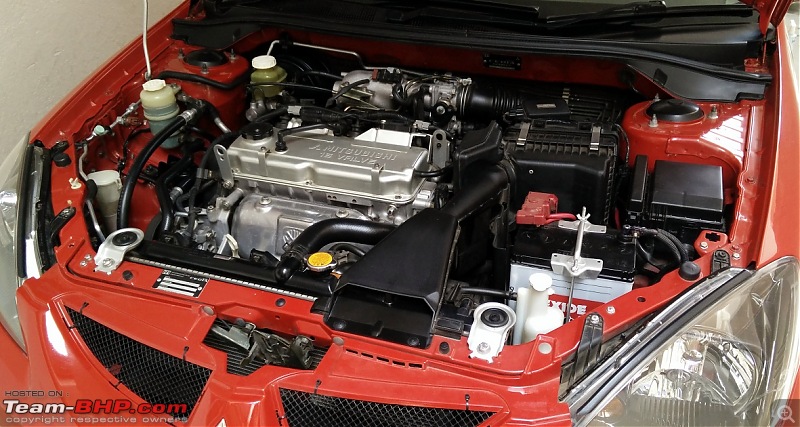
<point x="314" y="410"/>
<point x="156" y="377"/>
<point x="236" y="354"/>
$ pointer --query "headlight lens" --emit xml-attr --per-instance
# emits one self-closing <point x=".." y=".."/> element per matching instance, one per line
<point x="20" y="181"/>
<point x="726" y="353"/>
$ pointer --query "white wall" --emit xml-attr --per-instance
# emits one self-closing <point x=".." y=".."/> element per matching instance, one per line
<point x="49" y="46"/>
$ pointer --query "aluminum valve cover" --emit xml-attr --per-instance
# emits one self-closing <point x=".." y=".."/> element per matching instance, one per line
<point x="375" y="166"/>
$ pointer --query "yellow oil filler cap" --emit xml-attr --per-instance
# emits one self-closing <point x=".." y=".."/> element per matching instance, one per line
<point x="320" y="261"/>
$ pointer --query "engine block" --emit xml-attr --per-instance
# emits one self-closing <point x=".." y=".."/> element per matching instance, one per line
<point x="321" y="176"/>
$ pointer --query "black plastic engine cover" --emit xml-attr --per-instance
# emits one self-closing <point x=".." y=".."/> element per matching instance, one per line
<point x="394" y="291"/>
<point x="576" y="162"/>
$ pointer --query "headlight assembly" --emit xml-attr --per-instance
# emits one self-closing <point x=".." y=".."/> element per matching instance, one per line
<point x="20" y="187"/>
<point x="724" y="353"/>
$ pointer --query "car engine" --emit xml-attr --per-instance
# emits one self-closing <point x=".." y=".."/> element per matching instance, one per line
<point x="411" y="203"/>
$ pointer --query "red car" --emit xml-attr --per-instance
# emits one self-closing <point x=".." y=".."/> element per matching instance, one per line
<point x="368" y="213"/>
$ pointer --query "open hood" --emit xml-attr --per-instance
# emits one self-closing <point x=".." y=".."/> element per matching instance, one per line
<point x="771" y="11"/>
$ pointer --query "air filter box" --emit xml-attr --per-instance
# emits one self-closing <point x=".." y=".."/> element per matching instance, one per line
<point x="574" y="161"/>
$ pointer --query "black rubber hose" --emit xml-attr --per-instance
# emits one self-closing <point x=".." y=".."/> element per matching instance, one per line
<point x="177" y="75"/>
<point x="280" y="144"/>
<point x="355" y="250"/>
<point x="678" y="244"/>
<point x="386" y="115"/>
<point x="272" y="115"/>
<point x="293" y="86"/>
<point x="320" y="74"/>
<point x="488" y="292"/>
<point x="479" y="190"/>
<point x="126" y="195"/>
<point x="224" y="139"/>
<point x="162" y="188"/>
<point x="433" y="173"/>
<point x="344" y="89"/>
<point x="669" y="244"/>
<point x="325" y="232"/>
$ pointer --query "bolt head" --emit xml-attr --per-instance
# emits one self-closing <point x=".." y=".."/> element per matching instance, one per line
<point x="594" y="319"/>
<point x="736" y="255"/>
<point x="84" y="263"/>
<point x="483" y="347"/>
<point x="610" y="309"/>
<point x="87" y="257"/>
<point x="265" y="201"/>
<point x="341" y="213"/>
<point x="227" y="185"/>
<point x="704" y="245"/>
<point x="108" y="262"/>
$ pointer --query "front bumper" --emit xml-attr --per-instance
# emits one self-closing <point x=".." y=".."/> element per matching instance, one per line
<point x="357" y="381"/>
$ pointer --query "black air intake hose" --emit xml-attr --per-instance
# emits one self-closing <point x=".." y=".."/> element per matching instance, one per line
<point x="479" y="189"/>
<point x="483" y="102"/>
<point x="325" y="232"/>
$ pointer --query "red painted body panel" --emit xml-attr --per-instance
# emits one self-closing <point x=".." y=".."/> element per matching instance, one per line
<point x="756" y="143"/>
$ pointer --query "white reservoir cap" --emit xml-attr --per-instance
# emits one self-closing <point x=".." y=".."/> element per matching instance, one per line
<point x="154" y="85"/>
<point x="264" y="62"/>
<point x="540" y="281"/>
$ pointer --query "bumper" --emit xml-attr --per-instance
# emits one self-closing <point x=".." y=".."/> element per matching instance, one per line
<point x="367" y="379"/>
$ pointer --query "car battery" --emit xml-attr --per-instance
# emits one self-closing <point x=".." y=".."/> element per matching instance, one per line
<point x="534" y="246"/>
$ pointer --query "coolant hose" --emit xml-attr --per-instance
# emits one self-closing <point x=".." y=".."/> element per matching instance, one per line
<point x="324" y="232"/>
<point x="126" y="195"/>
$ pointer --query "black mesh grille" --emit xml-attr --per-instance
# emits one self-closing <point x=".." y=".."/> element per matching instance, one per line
<point x="156" y="377"/>
<point x="314" y="410"/>
<point x="236" y="354"/>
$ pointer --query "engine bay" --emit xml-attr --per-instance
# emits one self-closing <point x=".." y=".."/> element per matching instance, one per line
<point x="408" y="201"/>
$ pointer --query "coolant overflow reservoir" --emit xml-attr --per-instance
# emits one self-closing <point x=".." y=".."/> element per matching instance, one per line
<point x="266" y="71"/>
<point x="160" y="106"/>
<point x="534" y="313"/>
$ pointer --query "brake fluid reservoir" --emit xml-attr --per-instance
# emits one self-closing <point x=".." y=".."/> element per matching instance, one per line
<point x="160" y="106"/>
<point x="267" y="70"/>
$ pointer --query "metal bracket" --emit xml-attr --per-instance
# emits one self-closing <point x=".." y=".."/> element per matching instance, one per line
<point x="439" y="148"/>
<point x="225" y="171"/>
<point x="274" y="350"/>
<point x="522" y="138"/>
<point x="582" y="268"/>
<point x="594" y="144"/>
<point x="574" y="266"/>
<point x="111" y="253"/>
<point x="588" y="352"/>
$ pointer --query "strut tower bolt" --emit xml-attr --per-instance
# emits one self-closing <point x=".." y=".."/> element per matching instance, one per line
<point x="653" y="121"/>
<point x="610" y="309"/>
<point x="703" y="245"/>
<point x="737" y="255"/>
<point x="714" y="113"/>
<point x="483" y="347"/>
